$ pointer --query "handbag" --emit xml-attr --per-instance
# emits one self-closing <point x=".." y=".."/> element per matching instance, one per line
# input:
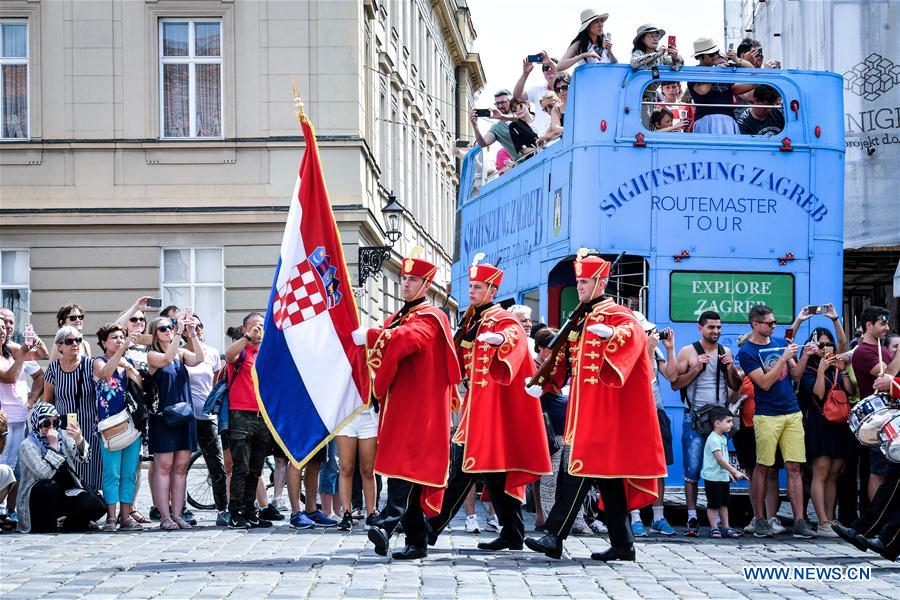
<point x="178" y="414"/>
<point x="552" y="444"/>
<point x="118" y="431"/>
<point x="836" y="408"/>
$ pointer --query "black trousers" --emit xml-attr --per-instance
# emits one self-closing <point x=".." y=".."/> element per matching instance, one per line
<point x="403" y="506"/>
<point x="571" y="492"/>
<point x="48" y="502"/>
<point x="508" y="509"/>
<point x="885" y="509"/>
<point x="211" y="447"/>
<point x="250" y="442"/>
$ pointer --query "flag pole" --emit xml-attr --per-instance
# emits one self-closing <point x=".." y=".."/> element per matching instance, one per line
<point x="298" y="104"/>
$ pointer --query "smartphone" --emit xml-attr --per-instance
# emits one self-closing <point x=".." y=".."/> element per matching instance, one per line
<point x="535" y="58"/>
<point x="153" y="303"/>
<point x="188" y="314"/>
<point x="607" y="37"/>
<point x="29" y="334"/>
<point x="813" y="309"/>
<point x="731" y="46"/>
<point x="462" y="144"/>
<point x="482" y="112"/>
<point x="672" y="41"/>
<point x="789" y="334"/>
<point x="71" y="418"/>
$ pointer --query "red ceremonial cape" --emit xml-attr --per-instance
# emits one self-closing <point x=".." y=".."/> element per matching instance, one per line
<point x="414" y="373"/>
<point x="502" y="427"/>
<point x="611" y="421"/>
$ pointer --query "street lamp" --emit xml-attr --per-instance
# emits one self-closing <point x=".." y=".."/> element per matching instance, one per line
<point x="371" y="258"/>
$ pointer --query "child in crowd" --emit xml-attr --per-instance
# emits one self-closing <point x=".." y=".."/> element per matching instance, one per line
<point x="717" y="472"/>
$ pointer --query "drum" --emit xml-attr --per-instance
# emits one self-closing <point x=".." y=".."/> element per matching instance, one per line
<point x="867" y="417"/>
<point x="889" y="437"/>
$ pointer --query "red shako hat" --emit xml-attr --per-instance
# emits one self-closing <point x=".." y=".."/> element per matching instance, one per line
<point x="484" y="272"/>
<point x="590" y="266"/>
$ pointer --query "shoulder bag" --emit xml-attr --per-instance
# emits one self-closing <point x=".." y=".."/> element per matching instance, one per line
<point x="836" y="408"/>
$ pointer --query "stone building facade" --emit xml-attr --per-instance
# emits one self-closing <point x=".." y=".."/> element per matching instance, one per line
<point x="150" y="146"/>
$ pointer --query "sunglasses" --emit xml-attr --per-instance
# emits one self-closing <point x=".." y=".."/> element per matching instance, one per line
<point x="823" y="345"/>
<point x="165" y="328"/>
<point x="138" y="320"/>
<point x="71" y="341"/>
<point x="561" y="88"/>
<point x="49" y="423"/>
<point x="548" y="108"/>
<point x="771" y="323"/>
<point x="545" y="68"/>
<point x="74" y="318"/>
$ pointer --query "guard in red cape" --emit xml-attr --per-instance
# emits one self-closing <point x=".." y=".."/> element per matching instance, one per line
<point x="501" y="429"/>
<point x="414" y="371"/>
<point x="611" y="422"/>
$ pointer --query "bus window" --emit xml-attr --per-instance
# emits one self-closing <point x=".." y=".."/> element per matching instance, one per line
<point x="711" y="107"/>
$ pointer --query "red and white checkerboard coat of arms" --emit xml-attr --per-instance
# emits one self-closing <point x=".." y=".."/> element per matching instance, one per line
<point x="310" y="289"/>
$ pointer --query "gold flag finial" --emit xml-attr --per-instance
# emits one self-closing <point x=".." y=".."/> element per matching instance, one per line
<point x="298" y="103"/>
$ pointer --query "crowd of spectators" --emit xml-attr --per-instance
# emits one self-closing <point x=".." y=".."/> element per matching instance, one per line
<point x="530" y="117"/>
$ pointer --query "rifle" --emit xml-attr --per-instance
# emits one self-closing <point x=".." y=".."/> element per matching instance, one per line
<point x="559" y="340"/>
<point x="461" y="329"/>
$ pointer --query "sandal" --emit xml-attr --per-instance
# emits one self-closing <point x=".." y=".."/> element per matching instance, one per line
<point x="137" y="516"/>
<point x="715" y="532"/>
<point x="731" y="533"/>
<point x="110" y="525"/>
<point x="182" y="524"/>
<point x="130" y="524"/>
<point x="168" y="525"/>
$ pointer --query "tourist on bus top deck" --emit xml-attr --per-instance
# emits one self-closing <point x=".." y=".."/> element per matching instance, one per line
<point x="713" y="100"/>
<point x="647" y="53"/>
<point x="534" y="93"/>
<point x="669" y="98"/>
<point x="591" y="44"/>
<point x="499" y="131"/>
<point x="761" y="118"/>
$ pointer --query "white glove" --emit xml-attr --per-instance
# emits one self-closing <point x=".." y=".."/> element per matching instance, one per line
<point x="359" y="336"/>
<point x="494" y="339"/>
<point x="535" y="391"/>
<point x="603" y="331"/>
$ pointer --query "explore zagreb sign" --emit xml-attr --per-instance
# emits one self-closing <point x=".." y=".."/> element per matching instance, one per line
<point x="732" y="295"/>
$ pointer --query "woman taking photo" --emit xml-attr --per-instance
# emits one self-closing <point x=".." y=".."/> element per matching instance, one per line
<point x="172" y="444"/>
<point x="590" y="45"/>
<point x="69" y="386"/>
<point x="646" y="51"/>
<point x="828" y="444"/>
<point x="111" y="374"/>
<point x="48" y="458"/>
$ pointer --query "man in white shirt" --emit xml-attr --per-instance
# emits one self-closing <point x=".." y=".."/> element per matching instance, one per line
<point x="534" y="93"/>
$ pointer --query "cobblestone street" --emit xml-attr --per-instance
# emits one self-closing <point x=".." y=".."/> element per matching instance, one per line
<point x="212" y="562"/>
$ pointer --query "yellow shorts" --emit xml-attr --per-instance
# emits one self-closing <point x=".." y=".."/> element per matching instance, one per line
<point x="782" y="431"/>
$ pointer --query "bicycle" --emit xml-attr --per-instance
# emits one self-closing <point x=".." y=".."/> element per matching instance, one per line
<point x="199" y="483"/>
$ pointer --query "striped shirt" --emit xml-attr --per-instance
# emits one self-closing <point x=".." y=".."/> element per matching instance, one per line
<point x="68" y="399"/>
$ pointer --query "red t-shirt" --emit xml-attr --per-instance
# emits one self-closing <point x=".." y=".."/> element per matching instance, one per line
<point x="241" y="392"/>
<point x="865" y="358"/>
<point x="680" y="113"/>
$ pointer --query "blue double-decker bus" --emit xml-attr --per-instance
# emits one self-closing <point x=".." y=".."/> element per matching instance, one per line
<point x="706" y="221"/>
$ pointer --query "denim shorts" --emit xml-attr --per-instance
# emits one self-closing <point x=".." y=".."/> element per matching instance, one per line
<point x="692" y="444"/>
<point x="328" y="474"/>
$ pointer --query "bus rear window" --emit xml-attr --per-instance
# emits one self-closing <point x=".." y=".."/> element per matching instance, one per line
<point x="712" y="107"/>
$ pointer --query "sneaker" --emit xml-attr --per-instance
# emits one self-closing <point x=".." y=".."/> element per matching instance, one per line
<point x="693" y="528"/>
<point x="321" y="520"/>
<point x="188" y="516"/>
<point x="222" y="518"/>
<point x="257" y="522"/>
<point x="357" y="514"/>
<point x="662" y="527"/>
<point x="803" y="530"/>
<point x="598" y="527"/>
<point x="155" y="514"/>
<point x="346" y="523"/>
<point x="637" y="529"/>
<point x="493" y="523"/>
<point x="299" y="520"/>
<point x="280" y="504"/>
<point x="824" y="530"/>
<point x="763" y="528"/>
<point x="370" y="520"/>
<point x="238" y="521"/>
<point x="581" y="530"/>
<point x="776" y="525"/>
<point x="751" y="528"/>
<point x="271" y="513"/>
<point x="472" y="525"/>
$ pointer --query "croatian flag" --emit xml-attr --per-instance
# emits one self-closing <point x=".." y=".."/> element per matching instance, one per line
<point x="310" y="377"/>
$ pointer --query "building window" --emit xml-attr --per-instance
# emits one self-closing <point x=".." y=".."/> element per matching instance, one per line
<point x="14" y="289"/>
<point x="14" y="79"/>
<point x="190" y="74"/>
<point x="195" y="277"/>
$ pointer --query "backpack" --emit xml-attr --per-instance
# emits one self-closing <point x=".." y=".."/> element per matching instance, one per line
<point x="217" y="400"/>
<point x="700" y="421"/>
